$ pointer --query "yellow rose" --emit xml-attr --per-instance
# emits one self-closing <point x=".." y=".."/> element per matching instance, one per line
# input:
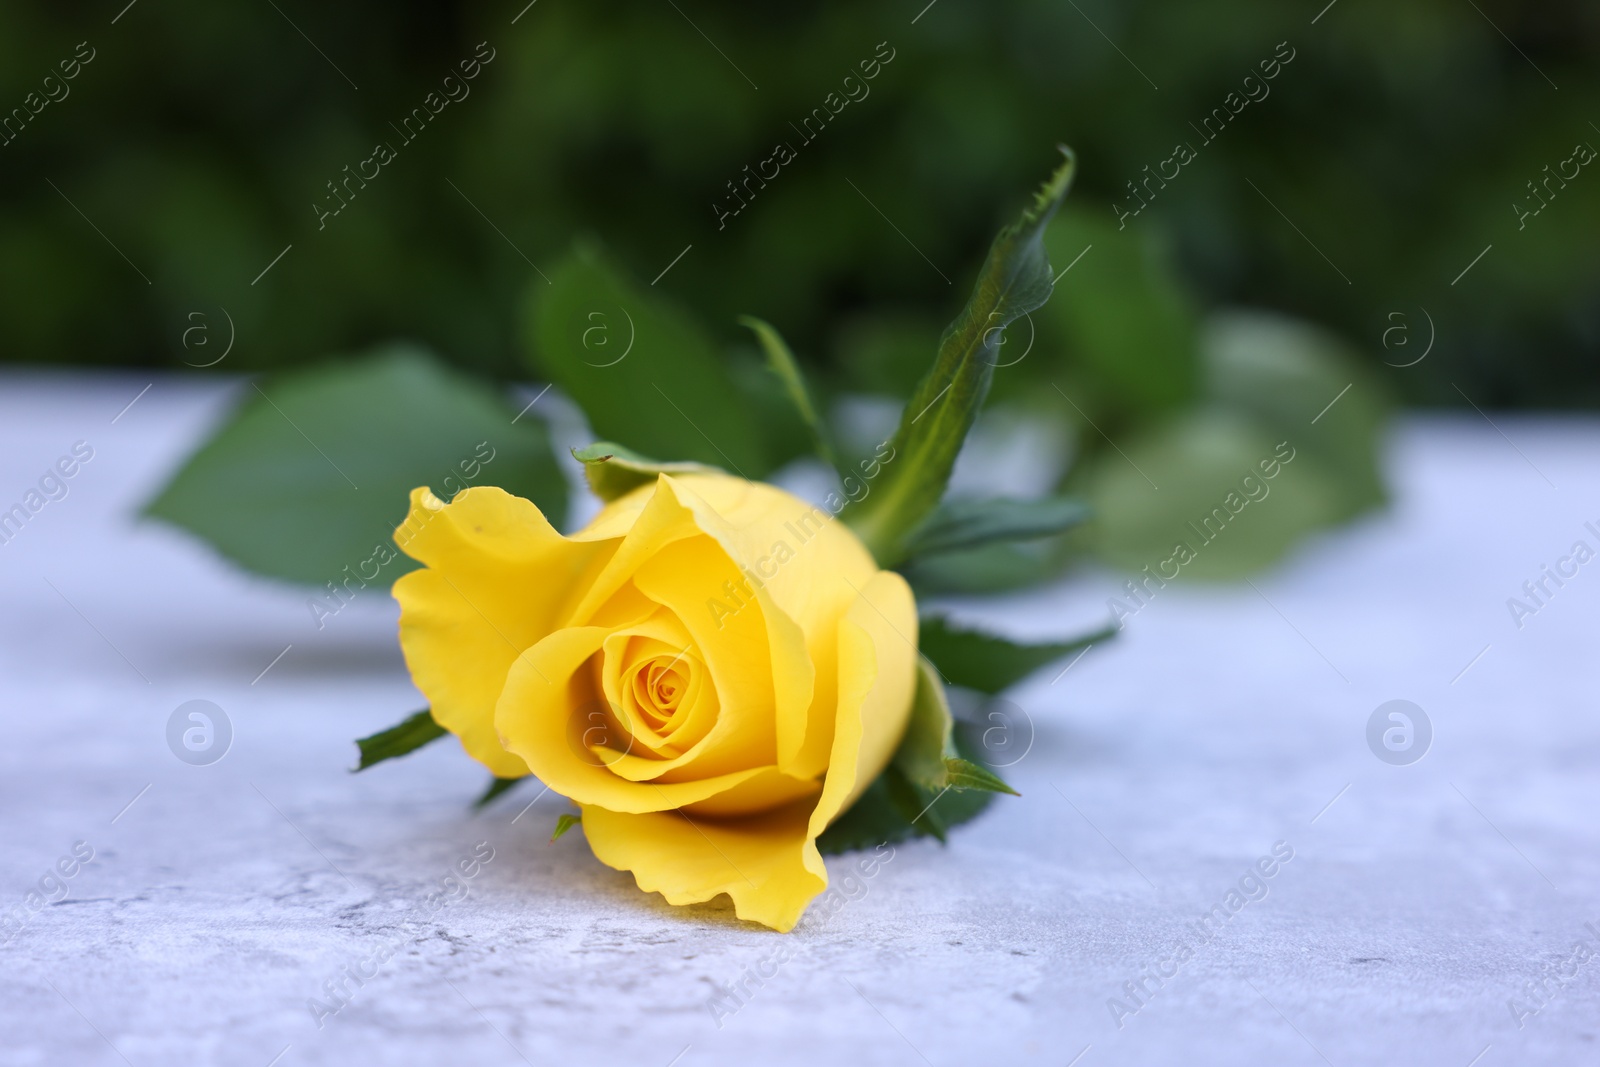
<point x="712" y="669"/>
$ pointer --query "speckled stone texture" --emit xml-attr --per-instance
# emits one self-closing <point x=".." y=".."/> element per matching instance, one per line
<point x="226" y="901"/>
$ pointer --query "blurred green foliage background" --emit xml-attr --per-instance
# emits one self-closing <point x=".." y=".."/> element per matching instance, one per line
<point x="1397" y="140"/>
<point x="1277" y="205"/>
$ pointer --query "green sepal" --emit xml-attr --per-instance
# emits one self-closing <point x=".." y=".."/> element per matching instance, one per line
<point x="927" y="756"/>
<point x="1014" y="280"/>
<point x="614" y="471"/>
<point x="934" y="781"/>
<point x="782" y="363"/>
<point x="965" y="774"/>
<point x="496" y="787"/>
<point x="872" y="820"/>
<point x="564" y="822"/>
<point x="915" y="805"/>
<point x="983" y="661"/>
<point x="956" y="806"/>
<point x="398" y="740"/>
<point x="885" y="812"/>
<point x="973" y="522"/>
<point x="926" y="743"/>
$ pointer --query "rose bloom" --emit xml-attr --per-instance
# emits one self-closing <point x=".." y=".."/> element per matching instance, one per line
<point x="712" y="669"/>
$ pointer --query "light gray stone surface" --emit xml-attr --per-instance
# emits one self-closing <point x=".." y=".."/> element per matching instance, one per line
<point x="1419" y="899"/>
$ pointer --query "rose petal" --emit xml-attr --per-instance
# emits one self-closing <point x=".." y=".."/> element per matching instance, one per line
<point x="737" y="653"/>
<point x="769" y="864"/>
<point x="496" y="581"/>
<point x="877" y="679"/>
<point x="806" y="570"/>
<point x="758" y="860"/>
<point x="542" y="718"/>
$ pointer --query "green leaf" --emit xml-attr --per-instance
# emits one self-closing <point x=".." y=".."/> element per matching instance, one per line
<point x="784" y="434"/>
<point x="885" y="352"/>
<point x="1014" y="280"/>
<point x="991" y="568"/>
<point x="970" y="522"/>
<point x="1123" y="324"/>
<point x="782" y="363"/>
<point x="496" y="787"/>
<point x="1286" y="444"/>
<point x="1306" y="386"/>
<point x="407" y="737"/>
<point x="564" y="822"/>
<point x="1197" y="460"/>
<point x="308" y="478"/>
<point x="988" y="663"/>
<point x="641" y="368"/>
<point x="613" y="471"/>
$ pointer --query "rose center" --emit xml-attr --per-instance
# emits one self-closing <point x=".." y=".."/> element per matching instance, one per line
<point x="659" y="686"/>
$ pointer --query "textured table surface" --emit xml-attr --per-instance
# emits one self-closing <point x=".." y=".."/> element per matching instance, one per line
<point x="222" y="901"/>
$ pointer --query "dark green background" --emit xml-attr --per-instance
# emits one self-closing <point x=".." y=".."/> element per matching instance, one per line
<point x="199" y="137"/>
